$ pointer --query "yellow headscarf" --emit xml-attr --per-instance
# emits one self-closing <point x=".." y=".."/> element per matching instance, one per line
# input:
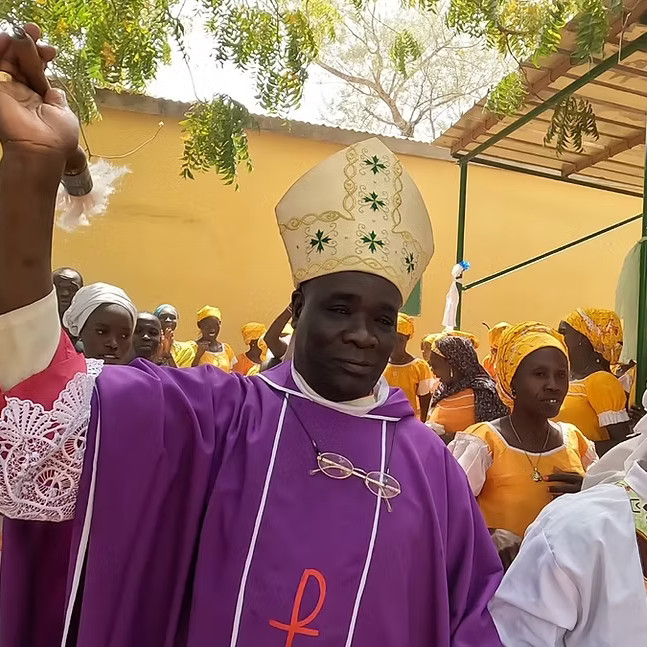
<point x="405" y="325"/>
<point x="434" y="337"/>
<point x="495" y="333"/>
<point x="516" y="343"/>
<point x="602" y="328"/>
<point x="253" y="331"/>
<point x="208" y="311"/>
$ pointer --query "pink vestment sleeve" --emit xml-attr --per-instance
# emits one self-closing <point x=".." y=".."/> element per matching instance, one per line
<point x="45" y="387"/>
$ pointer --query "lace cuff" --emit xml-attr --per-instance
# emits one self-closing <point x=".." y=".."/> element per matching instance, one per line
<point x="612" y="417"/>
<point x="42" y="451"/>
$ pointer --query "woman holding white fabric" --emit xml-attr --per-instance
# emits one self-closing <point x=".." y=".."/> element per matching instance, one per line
<point x="103" y="318"/>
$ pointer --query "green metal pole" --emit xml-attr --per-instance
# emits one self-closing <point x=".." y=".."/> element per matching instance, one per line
<point x="481" y="161"/>
<point x="641" y="372"/>
<point x="552" y="252"/>
<point x="460" y="233"/>
<point x="607" y="64"/>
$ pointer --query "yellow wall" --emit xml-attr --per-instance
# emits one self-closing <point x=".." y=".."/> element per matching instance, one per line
<point x="165" y="239"/>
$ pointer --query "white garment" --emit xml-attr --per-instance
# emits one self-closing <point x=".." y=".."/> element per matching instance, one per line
<point x="577" y="581"/>
<point x="29" y="338"/>
<point x="357" y="407"/>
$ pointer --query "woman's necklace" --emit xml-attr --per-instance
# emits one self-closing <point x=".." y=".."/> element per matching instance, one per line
<point x="536" y="474"/>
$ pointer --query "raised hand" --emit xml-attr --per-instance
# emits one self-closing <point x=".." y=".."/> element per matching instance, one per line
<point x="34" y="117"/>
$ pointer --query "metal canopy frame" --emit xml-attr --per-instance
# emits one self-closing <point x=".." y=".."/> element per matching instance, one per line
<point x="476" y="156"/>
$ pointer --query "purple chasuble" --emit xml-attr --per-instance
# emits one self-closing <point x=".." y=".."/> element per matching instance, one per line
<point x="199" y="524"/>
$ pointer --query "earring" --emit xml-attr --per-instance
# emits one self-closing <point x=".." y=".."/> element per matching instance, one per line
<point x="451" y="373"/>
<point x="514" y="393"/>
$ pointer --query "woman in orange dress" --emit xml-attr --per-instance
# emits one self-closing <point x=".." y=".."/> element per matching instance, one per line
<point x="409" y="373"/>
<point x="519" y="462"/>
<point x="466" y="394"/>
<point x="596" y="400"/>
<point x="253" y="337"/>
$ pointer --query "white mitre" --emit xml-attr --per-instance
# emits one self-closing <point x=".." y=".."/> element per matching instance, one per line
<point x="359" y="210"/>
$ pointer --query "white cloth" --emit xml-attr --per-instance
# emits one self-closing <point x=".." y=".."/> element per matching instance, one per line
<point x="577" y="581"/>
<point x="29" y="338"/>
<point x="89" y="298"/>
<point x="358" y="407"/>
<point x="424" y="387"/>
<point x="453" y="298"/>
<point x="474" y="456"/>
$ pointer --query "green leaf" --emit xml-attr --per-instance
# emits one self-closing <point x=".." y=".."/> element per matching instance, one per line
<point x="405" y="49"/>
<point x="572" y="119"/>
<point x="216" y="137"/>
<point x="508" y="97"/>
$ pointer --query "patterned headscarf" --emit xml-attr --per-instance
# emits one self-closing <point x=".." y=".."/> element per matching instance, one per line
<point x="473" y="339"/>
<point x="516" y="343"/>
<point x="461" y="356"/>
<point x="405" y="325"/>
<point x="494" y="335"/>
<point x="602" y="328"/>
<point x="165" y="307"/>
<point x="254" y="331"/>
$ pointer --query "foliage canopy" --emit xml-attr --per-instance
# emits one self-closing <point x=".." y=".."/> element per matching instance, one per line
<point x="120" y="44"/>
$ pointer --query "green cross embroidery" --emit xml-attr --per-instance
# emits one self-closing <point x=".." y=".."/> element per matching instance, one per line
<point x="373" y="201"/>
<point x="372" y="241"/>
<point x="374" y="164"/>
<point x="319" y="241"/>
<point x="410" y="263"/>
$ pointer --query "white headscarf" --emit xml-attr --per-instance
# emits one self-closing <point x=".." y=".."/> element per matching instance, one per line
<point x="613" y="466"/>
<point x="89" y="298"/>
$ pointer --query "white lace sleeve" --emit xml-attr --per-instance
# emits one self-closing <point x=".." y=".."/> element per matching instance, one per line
<point x="41" y="452"/>
<point x="474" y="456"/>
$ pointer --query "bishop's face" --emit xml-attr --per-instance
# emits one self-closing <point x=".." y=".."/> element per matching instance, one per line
<point x="346" y="327"/>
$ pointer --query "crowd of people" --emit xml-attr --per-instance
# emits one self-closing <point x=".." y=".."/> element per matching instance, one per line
<point x="326" y="483"/>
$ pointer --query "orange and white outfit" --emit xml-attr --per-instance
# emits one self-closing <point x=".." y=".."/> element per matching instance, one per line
<point x="593" y="403"/>
<point x="414" y="377"/>
<point x="454" y="413"/>
<point x="502" y="476"/>
<point x="599" y="399"/>
<point x="252" y="331"/>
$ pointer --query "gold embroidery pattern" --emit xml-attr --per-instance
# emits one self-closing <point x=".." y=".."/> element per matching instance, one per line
<point x="330" y="264"/>
<point x="350" y="171"/>
<point x="309" y="219"/>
